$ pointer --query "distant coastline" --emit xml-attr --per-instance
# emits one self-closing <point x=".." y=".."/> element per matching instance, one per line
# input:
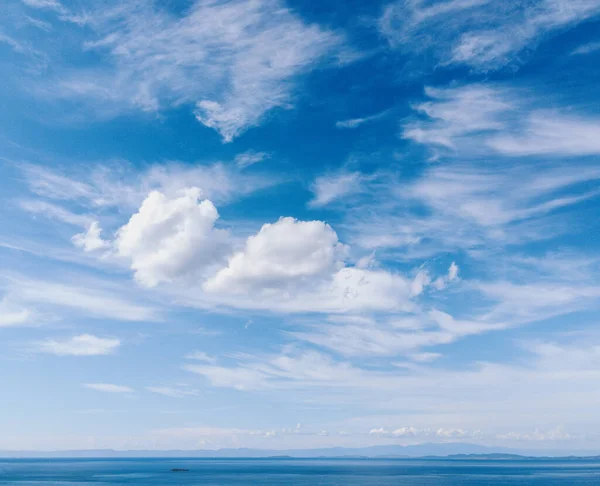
<point x="447" y="451"/>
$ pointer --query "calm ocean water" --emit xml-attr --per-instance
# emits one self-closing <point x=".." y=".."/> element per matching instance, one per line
<point x="314" y="472"/>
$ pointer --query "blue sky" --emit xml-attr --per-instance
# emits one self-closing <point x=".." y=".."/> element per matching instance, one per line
<point x="285" y="225"/>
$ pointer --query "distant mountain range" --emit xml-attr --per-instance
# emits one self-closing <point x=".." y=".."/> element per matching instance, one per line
<point x="456" y="450"/>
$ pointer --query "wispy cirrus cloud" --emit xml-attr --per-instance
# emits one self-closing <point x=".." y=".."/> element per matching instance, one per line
<point x="478" y="119"/>
<point x="500" y="304"/>
<point x="480" y="33"/>
<point x="493" y="47"/>
<point x="93" y="299"/>
<point x="519" y="194"/>
<point x="56" y="212"/>
<point x="108" y="388"/>
<point x="45" y="4"/>
<point x="587" y="49"/>
<point x="231" y="61"/>
<point x="12" y="314"/>
<point x="456" y="113"/>
<point x="250" y="157"/>
<point x="333" y="187"/>
<point x="120" y="185"/>
<point x="179" y="391"/>
<point x="548" y="133"/>
<point x="467" y="204"/>
<point x="200" y="356"/>
<point x="541" y="372"/>
<point x="375" y="339"/>
<point x="309" y="368"/>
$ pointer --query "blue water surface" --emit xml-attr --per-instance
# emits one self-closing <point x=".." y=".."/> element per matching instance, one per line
<point x="325" y="472"/>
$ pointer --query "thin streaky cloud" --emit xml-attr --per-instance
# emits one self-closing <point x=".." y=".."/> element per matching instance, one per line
<point x="12" y="314"/>
<point x="108" y="388"/>
<point x="250" y="157"/>
<point x="356" y="122"/>
<point x="95" y="302"/>
<point x="173" y="392"/>
<point x="81" y="345"/>
<point x="334" y="187"/>
<point x="587" y="49"/>
<point x="474" y="119"/>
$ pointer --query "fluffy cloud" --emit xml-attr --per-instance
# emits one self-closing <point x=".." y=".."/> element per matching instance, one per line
<point x="82" y="345"/>
<point x="292" y="265"/>
<point x="419" y="283"/>
<point x="298" y="266"/>
<point x="90" y="240"/>
<point x="288" y="253"/>
<point x="168" y="239"/>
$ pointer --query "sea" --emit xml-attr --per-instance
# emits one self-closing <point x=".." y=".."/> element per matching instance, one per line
<point x="284" y="471"/>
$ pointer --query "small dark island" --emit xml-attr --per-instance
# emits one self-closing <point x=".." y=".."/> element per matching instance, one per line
<point x="179" y="469"/>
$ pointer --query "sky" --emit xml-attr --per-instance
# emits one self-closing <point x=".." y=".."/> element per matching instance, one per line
<point x="293" y="224"/>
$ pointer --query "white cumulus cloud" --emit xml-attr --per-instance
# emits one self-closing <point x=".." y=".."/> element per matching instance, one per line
<point x="282" y="254"/>
<point x="298" y="266"/>
<point x="171" y="238"/>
